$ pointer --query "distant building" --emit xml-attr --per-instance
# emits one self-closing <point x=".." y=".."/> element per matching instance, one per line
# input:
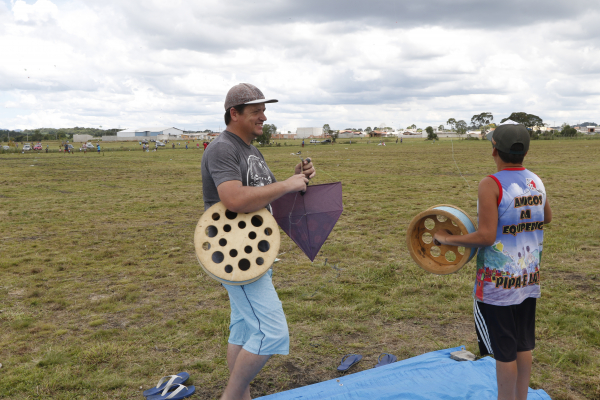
<point x="150" y="131"/>
<point x="82" y="138"/>
<point x="302" y="133"/>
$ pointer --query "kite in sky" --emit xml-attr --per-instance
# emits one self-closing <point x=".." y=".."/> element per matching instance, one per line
<point x="309" y="218"/>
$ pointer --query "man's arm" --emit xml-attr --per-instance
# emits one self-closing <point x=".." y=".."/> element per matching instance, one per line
<point x="245" y="199"/>
<point x="485" y="235"/>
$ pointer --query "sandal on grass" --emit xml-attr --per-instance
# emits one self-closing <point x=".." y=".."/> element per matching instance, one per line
<point x="164" y="385"/>
<point x="385" y="359"/>
<point x="349" y="360"/>
<point x="180" y="393"/>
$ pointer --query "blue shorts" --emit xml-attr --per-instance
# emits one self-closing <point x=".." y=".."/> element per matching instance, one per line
<point x="257" y="319"/>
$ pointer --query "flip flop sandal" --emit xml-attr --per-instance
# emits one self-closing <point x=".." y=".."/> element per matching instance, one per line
<point x="180" y="393"/>
<point x="349" y="360"/>
<point x="163" y="384"/>
<point x="385" y="359"/>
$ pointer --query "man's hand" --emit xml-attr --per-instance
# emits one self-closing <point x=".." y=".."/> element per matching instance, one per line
<point x="296" y="183"/>
<point x="305" y="167"/>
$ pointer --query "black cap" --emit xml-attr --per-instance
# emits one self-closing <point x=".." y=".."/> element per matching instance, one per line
<point x="504" y="136"/>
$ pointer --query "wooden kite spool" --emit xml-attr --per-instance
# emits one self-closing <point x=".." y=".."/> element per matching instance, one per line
<point x="233" y="248"/>
<point x="439" y="259"/>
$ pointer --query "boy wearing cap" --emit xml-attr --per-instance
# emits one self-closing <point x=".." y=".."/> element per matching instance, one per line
<point x="512" y="210"/>
<point x="235" y="173"/>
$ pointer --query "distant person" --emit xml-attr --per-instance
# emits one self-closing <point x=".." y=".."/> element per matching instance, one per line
<point x="396" y="140"/>
<point x="205" y="144"/>
<point x="302" y="142"/>
<point x="98" y="148"/>
<point x="172" y="145"/>
<point x="513" y="210"/>
<point x="47" y="148"/>
<point x="197" y="146"/>
<point x="66" y="148"/>
<point x="186" y="146"/>
<point x="400" y="140"/>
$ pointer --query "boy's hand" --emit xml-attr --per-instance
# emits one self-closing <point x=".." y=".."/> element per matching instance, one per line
<point x="441" y="237"/>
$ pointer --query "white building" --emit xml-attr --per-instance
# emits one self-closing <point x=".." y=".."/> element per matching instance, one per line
<point x="82" y="138"/>
<point x="302" y="133"/>
<point x="139" y="133"/>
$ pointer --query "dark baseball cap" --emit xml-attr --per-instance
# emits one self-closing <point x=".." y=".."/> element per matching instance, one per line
<point x="507" y="134"/>
<point x="245" y="93"/>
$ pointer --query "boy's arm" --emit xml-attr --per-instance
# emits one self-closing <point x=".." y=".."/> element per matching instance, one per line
<point x="485" y="235"/>
<point x="547" y="212"/>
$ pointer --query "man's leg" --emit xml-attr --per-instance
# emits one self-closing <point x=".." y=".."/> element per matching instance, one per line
<point x="232" y="352"/>
<point x="506" y="376"/>
<point x="524" y="361"/>
<point x="243" y="367"/>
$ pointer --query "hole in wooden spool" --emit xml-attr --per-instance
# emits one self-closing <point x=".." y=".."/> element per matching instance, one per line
<point x="244" y="264"/>
<point x="241" y="224"/>
<point x="230" y="214"/>
<point x="233" y="253"/>
<point x="427" y="238"/>
<point x="227" y="228"/>
<point x="268" y="231"/>
<point x="252" y="235"/>
<point x="228" y="269"/>
<point x="260" y="261"/>
<point x="218" y="257"/>
<point x="450" y="256"/>
<point x="206" y="246"/>
<point x="211" y="231"/>
<point x="429" y="223"/>
<point x="216" y="216"/>
<point x="223" y="242"/>
<point x="442" y="218"/>
<point x="248" y="249"/>
<point x="454" y="223"/>
<point x="435" y="251"/>
<point x="461" y="250"/>
<point x="264" y="246"/>
<point x="257" y="220"/>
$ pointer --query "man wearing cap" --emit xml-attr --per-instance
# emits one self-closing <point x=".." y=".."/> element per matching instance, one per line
<point x="235" y="173"/>
<point x="512" y="210"/>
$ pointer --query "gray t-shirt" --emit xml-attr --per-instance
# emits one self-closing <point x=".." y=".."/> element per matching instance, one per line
<point x="229" y="158"/>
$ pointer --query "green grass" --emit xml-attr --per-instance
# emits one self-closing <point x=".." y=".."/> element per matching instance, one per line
<point x="101" y="293"/>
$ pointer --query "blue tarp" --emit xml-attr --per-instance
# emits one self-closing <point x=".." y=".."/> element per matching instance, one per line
<point x="429" y="376"/>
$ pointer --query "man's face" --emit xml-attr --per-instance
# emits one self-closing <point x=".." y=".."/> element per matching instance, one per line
<point x="251" y="121"/>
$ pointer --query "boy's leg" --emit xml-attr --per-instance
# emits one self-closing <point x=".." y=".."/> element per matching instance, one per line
<point x="506" y="376"/>
<point x="243" y="366"/>
<point x="524" y="360"/>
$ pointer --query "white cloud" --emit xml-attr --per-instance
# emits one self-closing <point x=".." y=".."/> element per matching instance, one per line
<point x="131" y="63"/>
<point x="41" y="11"/>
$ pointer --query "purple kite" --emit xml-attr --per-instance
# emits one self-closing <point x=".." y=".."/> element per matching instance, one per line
<point x="309" y="218"/>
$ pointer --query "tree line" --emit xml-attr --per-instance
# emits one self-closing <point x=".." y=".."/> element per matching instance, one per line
<point x="38" y="135"/>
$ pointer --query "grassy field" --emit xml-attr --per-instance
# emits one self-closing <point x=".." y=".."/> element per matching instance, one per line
<point x="101" y="293"/>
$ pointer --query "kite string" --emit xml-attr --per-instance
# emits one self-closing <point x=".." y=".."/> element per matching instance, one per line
<point x="461" y="175"/>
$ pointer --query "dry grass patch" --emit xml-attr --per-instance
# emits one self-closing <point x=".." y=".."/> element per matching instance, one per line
<point x="101" y="292"/>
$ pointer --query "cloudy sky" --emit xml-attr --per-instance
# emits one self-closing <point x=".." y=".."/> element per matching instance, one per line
<point x="348" y="63"/>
